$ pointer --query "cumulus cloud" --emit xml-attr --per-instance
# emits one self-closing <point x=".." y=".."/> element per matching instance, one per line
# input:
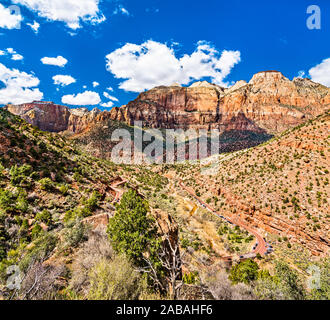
<point x="20" y="87"/>
<point x="321" y="73"/>
<point x="110" y="89"/>
<point x="10" y="51"/>
<point x="110" y="97"/>
<point x="109" y="104"/>
<point x="82" y="99"/>
<point x="63" y="80"/>
<point x="17" y="56"/>
<point x="71" y="12"/>
<point x="59" y="61"/>
<point x="152" y="64"/>
<point x="95" y="84"/>
<point x="9" y="20"/>
<point x="34" y="26"/>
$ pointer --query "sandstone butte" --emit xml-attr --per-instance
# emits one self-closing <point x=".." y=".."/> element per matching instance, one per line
<point x="269" y="103"/>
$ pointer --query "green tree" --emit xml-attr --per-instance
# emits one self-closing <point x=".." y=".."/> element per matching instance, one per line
<point x="246" y="271"/>
<point x="133" y="231"/>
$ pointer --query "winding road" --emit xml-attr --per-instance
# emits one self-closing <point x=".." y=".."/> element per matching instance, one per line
<point x="261" y="248"/>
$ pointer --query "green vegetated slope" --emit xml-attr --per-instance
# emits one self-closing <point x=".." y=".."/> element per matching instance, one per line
<point x="45" y="182"/>
<point x="286" y="178"/>
<point x="48" y="186"/>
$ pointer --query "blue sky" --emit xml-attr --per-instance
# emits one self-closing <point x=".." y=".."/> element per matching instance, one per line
<point x="131" y="46"/>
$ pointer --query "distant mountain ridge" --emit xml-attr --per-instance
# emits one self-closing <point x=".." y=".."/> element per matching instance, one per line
<point x="268" y="105"/>
<point x="270" y="101"/>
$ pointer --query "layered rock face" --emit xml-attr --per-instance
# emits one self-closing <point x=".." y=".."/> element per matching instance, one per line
<point x="51" y="117"/>
<point x="269" y="102"/>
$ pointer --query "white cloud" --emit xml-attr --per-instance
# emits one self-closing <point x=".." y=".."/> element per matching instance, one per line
<point x="153" y="64"/>
<point x="13" y="53"/>
<point x="108" y="96"/>
<point x="71" y="12"/>
<point x="321" y="73"/>
<point x="82" y="99"/>
<point x="59" y="61"/>
<point x="109" y="104"/>
<point x="63" y="80"/>
<point x="34" y="26"/>
<point x="122" y="10"/>
<point x="95" y="84"/>
<point x="8" y="20"/>
<point x="110" y="89"/>
<point x="20" y="87"/>
<point x="17" y="56"/>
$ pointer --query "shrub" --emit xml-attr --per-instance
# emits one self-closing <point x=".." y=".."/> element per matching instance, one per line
<point x="222" y="289"/>
<point x="64" y="189"/>
<point x="74" y="234"/>
<point x="115" y="280"/>
<point x="6" y="200"/>
<point x="21" y="203"/>
<point x="43" y="246"/>
<point x="46" y="184"/>
<point x="191" y="278"/>
<point x="2" y="168"/>
<point x="92" y="203"/>
<point x="45" y="217"/>
<point x="19" y="174"/>
<point x="4" y="237"/>
<point x="36" y="231"/>
<point x="77" y="177"/>
<point x="246" y="271"/>
<point x="289" y="280"/>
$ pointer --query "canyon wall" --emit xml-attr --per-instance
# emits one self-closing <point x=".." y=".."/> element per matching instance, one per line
<point x="270" y="103"/>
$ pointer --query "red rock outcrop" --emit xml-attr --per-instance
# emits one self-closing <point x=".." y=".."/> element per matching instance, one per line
<point x="51" y="117"/>
<point x="269" y="101"/>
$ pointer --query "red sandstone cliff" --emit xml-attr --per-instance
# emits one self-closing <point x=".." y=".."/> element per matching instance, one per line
<point x="269" y="103"/>
<point x="51" y="117"/>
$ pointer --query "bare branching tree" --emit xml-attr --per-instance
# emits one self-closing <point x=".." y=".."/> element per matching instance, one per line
<point x="40" y="281"/>
<point x="171" y="260"/>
